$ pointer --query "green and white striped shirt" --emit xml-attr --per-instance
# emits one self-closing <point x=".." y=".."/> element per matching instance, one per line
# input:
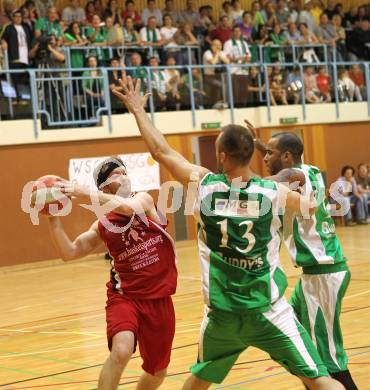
<point x="313" y="243"/>
<point x="239" y="243"/>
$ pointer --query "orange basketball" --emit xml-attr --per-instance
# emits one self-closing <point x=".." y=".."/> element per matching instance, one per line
<point x="47" y="198"/>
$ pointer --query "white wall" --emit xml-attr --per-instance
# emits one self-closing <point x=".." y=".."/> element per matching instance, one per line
<point x="22" y="131"/>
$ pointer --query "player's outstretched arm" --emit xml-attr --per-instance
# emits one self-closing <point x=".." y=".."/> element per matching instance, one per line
<point x="83" y="245"/>
<point x="180" y="168"/>
<point x="141" y="204"/>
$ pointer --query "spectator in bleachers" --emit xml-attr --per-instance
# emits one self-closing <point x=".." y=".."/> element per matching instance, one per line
<point x="184" y="37"/>
<point x="362" y="14"/>
<point x="90" y="12"/>
<point x="93" y="86"/>
<point x="236" y="12"/>
<point x="191" y="16"/>
<point x="99" y="9"/>
<point x="306" y="17"/>
<point x="312" y="92"/>
<point x="175" y="14"/>
<point x="151" y="11"/>
<point x="278" y="86"/>
<point x="74" y="37"/>
<point x="292" y="34"/>
<point x="130" y="35"/>
<point x="55" y="57"/>
<point x="330" y="8"/>
<point x="168" y="31"/>
<point x="293" y="9"/>
<point x="263" y="36"/>
<point x="282" y="13"/>
<point x="114" y="76"/>
<point x="226" y="11"/>
<point x="326" y="33"/>
<point x="294" y="85"/>
<point x="237" y="51"/>
<point x="357" y="40"/>
<point x="339" y="11"/>
<point x="113" y="11"/>
<point x="74" y="13"/>
<point x="347" y="87"/>
<point x="96" y="34"/>
<point x="277" y="37"/>
<point x="49" y="25"/>
<point x="206" y="21"/>
<point x="246" y="26"/>
<point x="29" y="14"/>
<point x="8" y="9"/>
<point x="16" y="41"/>
<point x="341" y="33"/>
<point x="42" y="7"/>
<point x="308" y="37"/>
<point x="317" y="10"/>
<point x="158" y="83"/>
<point x="213" y="76"/>
<point x="347" y="187"/>
<point x="350" y="17"/>
<point x="253" y="87"/>
<point x="150" y="34"/>
<point x="114" y="32"/>
<point x="173" y="79"/>
<point x="222" y="32"/>
<point x="131" y="12"/>
<point x="357" y="76"/>
<point x="323" y="83"/>
<point x="269" y="14"/>
<point x="257" y="16"/>
<point x="198" y="92"/>
<point x="363" y="184"/>
<point x="139" y="71"/>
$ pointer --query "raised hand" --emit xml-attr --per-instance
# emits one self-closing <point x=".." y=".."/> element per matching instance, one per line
<point x="129" y="94"/>
<point x="251" y="128"/>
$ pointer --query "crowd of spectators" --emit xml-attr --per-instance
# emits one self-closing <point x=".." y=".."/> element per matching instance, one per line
<point x="353" y="188"/>
<point x="36" y="33"/>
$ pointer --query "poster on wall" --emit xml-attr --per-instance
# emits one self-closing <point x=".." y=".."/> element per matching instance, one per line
<point x="141" y="168"/>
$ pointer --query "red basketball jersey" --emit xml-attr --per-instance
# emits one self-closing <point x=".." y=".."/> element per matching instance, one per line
<point x="144" y="259"/>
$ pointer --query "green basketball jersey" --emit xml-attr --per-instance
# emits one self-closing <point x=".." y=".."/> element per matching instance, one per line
<point x="239" y="244"/>
<point x="313" y="242"/>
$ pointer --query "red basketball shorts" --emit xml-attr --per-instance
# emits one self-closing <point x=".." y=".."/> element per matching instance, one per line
<point x="151" y="320"/>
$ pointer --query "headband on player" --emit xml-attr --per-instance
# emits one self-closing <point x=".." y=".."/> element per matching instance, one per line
<point x="104" y="169"/>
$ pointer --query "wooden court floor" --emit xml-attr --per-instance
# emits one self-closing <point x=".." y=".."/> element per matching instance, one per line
<point x="52" y="333"/>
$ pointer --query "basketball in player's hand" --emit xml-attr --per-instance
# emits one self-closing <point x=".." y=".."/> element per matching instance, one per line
<point x="47" y="198"/>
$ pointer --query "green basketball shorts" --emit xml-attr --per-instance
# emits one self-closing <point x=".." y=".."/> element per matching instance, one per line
<point x="317" y="301"/>
<point x="224" y="335"/>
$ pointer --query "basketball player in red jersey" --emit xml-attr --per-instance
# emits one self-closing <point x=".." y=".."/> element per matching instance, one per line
<point x="143" y="276"/>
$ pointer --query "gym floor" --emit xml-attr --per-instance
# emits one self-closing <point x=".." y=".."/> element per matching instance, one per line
<point x="53" y="324"/>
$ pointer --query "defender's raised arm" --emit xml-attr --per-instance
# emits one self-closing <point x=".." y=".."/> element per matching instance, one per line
<point x="180" y="168"/>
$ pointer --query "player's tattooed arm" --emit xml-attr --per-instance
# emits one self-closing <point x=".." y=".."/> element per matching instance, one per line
<point x="180" y="168"/>
<point x="258" y="143"/>
<point x="291" y="201"/>
<point x="291" y="177"/>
